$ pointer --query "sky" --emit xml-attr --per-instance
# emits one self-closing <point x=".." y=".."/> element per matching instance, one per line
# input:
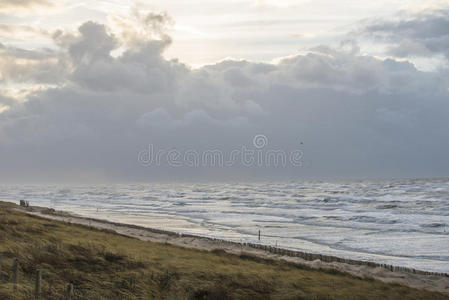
<point x="94" y="91"/>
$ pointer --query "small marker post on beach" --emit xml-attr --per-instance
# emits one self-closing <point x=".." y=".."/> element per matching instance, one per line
<point x="259" y="234"/>
<point x="37" y="288"/>
<point x="15" y="270"/>
<point x="69" y="291"/>
<point x="1" y="265"/>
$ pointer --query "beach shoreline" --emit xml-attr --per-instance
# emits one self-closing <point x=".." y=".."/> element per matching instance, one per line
<point x="431" y="281"/>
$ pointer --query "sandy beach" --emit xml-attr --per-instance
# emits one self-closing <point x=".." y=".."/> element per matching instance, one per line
<point x="431" y="282"/>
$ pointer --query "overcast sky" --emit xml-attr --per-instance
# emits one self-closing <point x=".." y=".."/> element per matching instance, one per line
<point x="357" y="89"/>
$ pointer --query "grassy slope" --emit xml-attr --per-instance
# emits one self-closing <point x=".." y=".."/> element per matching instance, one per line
<point x="103" y="265"/>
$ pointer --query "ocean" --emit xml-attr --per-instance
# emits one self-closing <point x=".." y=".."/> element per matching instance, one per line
<point x="398" y="222"/>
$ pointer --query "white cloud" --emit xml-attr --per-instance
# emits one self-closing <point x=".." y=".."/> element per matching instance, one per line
<point x="26" y="7"/>
<point x="24" y="31"/>
<point x="30" y="66"/>
<point x="423" y="33"/>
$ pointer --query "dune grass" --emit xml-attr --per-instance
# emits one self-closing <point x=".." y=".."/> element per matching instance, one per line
<point x="105" y="265"/>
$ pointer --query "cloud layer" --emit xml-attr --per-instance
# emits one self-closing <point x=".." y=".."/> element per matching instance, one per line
<point x="20" y="7"/>
<point x="422" y="34"/>
<point x="110" y="93"/>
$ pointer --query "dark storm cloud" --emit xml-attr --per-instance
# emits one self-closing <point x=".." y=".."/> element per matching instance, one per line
<point x="352" y="115"/>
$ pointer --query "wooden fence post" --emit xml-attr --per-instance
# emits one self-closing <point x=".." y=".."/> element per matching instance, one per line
<point x="15" y="269"/>
<point x="69" y="291"/>
<point x="37" y="288"/>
